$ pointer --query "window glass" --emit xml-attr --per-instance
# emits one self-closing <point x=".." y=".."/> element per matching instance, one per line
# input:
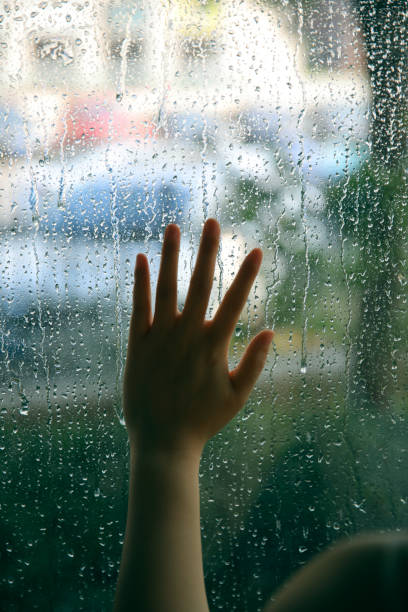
<point x="285" y="120"/>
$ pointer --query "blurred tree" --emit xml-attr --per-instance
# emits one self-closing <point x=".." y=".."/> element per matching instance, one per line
<point x="379" y="194"/>
<point x="370" y="207"/>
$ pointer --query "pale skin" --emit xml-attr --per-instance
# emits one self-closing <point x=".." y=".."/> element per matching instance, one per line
<point x="178" y="393"/>
<point x="188" y="354"/>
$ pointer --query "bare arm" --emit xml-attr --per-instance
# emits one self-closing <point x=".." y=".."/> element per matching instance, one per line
<point x="178" y="393"/>
<point x="161" y="565"/>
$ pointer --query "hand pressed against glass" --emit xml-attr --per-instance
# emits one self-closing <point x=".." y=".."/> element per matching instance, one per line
<point x="178" y="391"/>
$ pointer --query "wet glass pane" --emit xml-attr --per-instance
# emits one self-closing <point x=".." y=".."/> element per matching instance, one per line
<point x="286" y="121"/>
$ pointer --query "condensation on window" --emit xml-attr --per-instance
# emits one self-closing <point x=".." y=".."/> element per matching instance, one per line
<point x="286" y="121"/>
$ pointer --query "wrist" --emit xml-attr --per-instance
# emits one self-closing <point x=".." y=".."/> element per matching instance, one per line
<point x="185" y="459"/>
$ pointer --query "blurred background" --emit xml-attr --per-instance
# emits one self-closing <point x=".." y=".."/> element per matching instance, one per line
<point x="285" y="120"/>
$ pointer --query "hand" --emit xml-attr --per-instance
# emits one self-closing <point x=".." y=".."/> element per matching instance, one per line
<point x="178" y="392"/>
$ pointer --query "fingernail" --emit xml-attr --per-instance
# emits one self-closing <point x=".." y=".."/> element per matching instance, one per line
<point x="269" y="340"/>
<point x="214" y="225"/>
<point x="171" y="231"/>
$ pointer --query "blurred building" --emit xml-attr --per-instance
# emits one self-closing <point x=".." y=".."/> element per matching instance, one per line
<point x="213" y="57"/>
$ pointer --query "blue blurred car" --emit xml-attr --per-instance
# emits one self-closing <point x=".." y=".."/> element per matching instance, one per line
<point x="100" y="208"/>
<point x="78" y="225"/>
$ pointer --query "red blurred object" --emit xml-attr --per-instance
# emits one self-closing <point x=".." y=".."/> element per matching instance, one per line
<point x="93" y="121"/>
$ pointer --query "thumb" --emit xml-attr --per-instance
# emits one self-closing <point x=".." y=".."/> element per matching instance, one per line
<point x="245" y="375"/>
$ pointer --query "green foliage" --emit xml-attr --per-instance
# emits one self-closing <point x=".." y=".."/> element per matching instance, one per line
<point x="328" y="478"/>
<point x="63" y="510"/>
<point x="369" y="204"/>
<point x="368" y="211"/>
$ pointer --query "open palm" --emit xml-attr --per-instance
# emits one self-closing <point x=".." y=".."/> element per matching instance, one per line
<point x="178" y="390"/>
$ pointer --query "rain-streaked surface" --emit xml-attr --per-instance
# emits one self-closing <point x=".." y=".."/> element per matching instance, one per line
<point x="285" y="120"/>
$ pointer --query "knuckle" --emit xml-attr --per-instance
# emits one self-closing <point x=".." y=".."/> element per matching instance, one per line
<point x="137" y="304"/>
<point x="163" y="291"/>
<point x="200" y="285"/>
<point x="213" y="353"/>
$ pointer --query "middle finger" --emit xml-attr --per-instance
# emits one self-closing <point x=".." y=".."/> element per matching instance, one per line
<point x="202" y="279"/>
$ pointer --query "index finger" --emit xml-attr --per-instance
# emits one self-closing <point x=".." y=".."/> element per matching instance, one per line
<point x="227" y="315"/>
<point x="140" y="320"/>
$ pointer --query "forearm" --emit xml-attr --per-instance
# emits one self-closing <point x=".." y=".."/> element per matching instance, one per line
<point x="161" y="568"/>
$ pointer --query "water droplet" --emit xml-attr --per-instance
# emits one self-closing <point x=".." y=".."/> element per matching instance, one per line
<point x="24" y="408"/>
<point x="119" y="97"/>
